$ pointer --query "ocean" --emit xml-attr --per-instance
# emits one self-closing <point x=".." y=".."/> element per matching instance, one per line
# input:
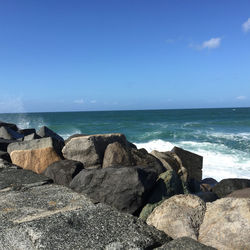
<point x="221" y="136"/>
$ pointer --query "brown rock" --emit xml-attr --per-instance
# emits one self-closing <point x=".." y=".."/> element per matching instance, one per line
<point x="242" y="193"/>
<point x="116" y="154"/>
<point x="179" y="216"/>
<point x="226" y="224"/>
<point x="36" y="160"/>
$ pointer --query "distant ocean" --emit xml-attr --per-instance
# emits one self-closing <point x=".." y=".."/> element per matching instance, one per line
<point x="221" y="136"/>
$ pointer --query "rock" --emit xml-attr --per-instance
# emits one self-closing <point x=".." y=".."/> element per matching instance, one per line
<point x="184" y="243"/>
<point x="5" y="156"/>
<point x="226" y="224"/>
<point x="4" y="144"/>
<point x="140" y="157"/>
<point x="207" y="196"/>
<point x="90" y="149"/>
<point x="207" y="184"/>
<point x="27" y="131"/>
<point x="179" y="216"/>
<point x="9" y="125"/>
<point x="32" y="136"/>
<point x="116" y="154"/>
<point x="9" y="134"/>
<point x="125" y="188"/>
<point x="54" y="217"/>
<point x="192" y="162"/>
<point x="167" y="185"/>
<point x="46" y="132"/>
<point x="241" y="193"/>
<point x="62" y="172"/>
<point x="35" y="155"/>
<point x="74" y="136"/>
<point x="5" y="164"/>
<point x="227" y="186"/>
<point x="13" y="178"/>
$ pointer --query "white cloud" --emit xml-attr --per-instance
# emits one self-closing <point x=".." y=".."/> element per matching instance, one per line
<point x="246" y="25"/>
<point x="93" y="101"/>
<point x="241" y="97"/>
<point x="213" y="43"/>
<point x="79" y="101"/>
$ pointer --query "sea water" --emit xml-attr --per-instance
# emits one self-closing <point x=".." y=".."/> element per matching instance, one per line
<point x="221" y="136"/>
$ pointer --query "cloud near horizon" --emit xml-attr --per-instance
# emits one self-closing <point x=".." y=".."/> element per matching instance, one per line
<point x="241" y="97"/>
<point x="246" y="25"/>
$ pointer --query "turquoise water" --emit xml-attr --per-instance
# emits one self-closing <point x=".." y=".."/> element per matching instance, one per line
<point x="221" y="136"/>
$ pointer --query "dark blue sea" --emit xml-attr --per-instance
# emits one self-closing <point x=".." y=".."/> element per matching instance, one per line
<point x="221" y="136"/>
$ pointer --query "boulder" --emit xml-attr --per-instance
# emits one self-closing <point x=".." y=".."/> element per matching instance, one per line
<point x="227" y="186"/>
<point x="241" y="193"/>
<point x="167" y="185"/>
<point x="226" y="224"/>
<point x="9" y="134"/>
<point x="179" y="216"/>
<point x="140" y="157"/>
<point x="46" y="132"/>
<point x="54" y="217"/>
<point x="5" y="156"/>
<point x="9" y="125"/>
<point x="192" y="162"/>
<point x="207" y="184"/>
<point x="74" y="136"/>
<point x="5" y="164"/>
<point x="13" y="178"/>
<point x="207" y="196"/>
<point x="90" y="149"/>
<point x="62" y="172"/>
<point x="4" y="144"/>
<point x="116" y="155"/>
<point x="35" y="155"/>
<point x="125" y="188"/>
<point x="26" y="131"/>
<point x="32" y="136"/>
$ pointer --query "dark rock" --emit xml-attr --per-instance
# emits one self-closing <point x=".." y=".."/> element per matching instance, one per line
<point x="207" y="184"/>
<point x="9" y="134"/>
<point x="227" y="186"/>
<point x="46" y="132"/>
<point x="241" y="193"/>
<point x="192" y="162"/>
<point x="4" y="144"/>
<point x="54" y="217"/>
<point x="32" y="136"/>
<point x="125" y="188"/>
<point x="74" y="136"/>
<point x="5" y="164"/>
<point x="9" y="125"/>
<point x="207" y="196"/>
<point x="13" y="178"/>
<point x="90" y="149"/>
<point x="62" y="172"/>
<point x="116" y="154"/>
<point x="27" y="131"/>
<point x="5" y="156"/>
<point x="185" y="243"/>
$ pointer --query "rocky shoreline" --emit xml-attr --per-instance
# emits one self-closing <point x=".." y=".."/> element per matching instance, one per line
<point x="101" y="192"/>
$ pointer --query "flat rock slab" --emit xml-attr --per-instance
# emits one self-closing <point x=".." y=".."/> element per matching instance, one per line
<point x="54" y="217"/>
<point x="13" y="178"/>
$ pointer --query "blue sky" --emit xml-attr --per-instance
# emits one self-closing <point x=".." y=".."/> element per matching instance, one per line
<point x="123" y="54"/>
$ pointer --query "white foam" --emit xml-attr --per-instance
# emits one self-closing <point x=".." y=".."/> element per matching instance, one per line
<point x="67" y="134"/>
<point x="219" y="161"/>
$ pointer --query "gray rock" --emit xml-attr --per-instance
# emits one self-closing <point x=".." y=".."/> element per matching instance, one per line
<point x="62" y="172"/>
<point x="6" y="164"/>
<point x="9" y="125"/>
<point x="192" y="162"/>
<point x="13" y="178"/>
<point x="54" y="217"/>
<point x="46" y="132"/>
<point x="9" y="134"/>
<point x="5" y="156"/>
<point x="74" y="136"/>
<point x="32" y="136"/>
<point x="90" y="149"/>
<point x="27" y="131"/>
<point x="125" y="188"/>
<point x="241" y="193"/>
<point x="185" y="243"/>
<point x="227" y="186"/>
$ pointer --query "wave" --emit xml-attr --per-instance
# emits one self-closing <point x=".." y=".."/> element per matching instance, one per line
<point x="219" y="161"/>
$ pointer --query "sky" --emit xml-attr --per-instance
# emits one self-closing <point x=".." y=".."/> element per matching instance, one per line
<point x="77" y="55"/>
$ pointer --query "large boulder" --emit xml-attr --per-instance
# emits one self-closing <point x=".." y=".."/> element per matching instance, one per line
<point x="125" y="188"/>
<point x="227" y="186"/>
<point x="32" y="136"/>
<point x="62" y="172"/>
<point x="35" y="155"/>
<point x="54" y="217"/>
<point x="74" y="136"/>
<point x="9" y="125"/>
<point x="46" y="132"/>
<point x="9" y="134"/>
<point x="116" y="154"/>
<point x="192" y="162"/>
<point x="207" y="196"/>
<point x="184" y="243"/>
<point x="90" y="149"/>
<point x="226" y="224"/>
<point x="179" y="216"/>
<point x="241" y="193"/>
<point x="26" y="131"/>
<point x="167" y="185"/>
